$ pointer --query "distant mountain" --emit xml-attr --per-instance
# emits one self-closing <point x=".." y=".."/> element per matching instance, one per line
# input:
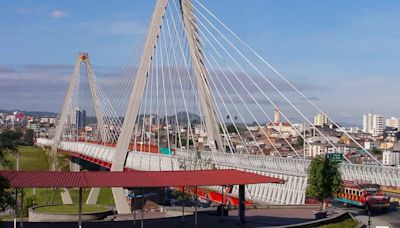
<point x="346" y="124"/>
<point x="181" y="116"/>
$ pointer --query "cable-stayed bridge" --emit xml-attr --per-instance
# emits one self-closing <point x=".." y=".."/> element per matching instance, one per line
<point x="194" y="95"/>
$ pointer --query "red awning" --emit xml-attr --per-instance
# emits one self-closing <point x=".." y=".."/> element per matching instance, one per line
<point x="48" y="179"/>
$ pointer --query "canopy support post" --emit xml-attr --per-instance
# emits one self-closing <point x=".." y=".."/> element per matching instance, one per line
<point x="242" y="207"/>
<point x="80" y="208"/>
<point x="222" y="207"/>
<point x="16" y="208"/>
<point x="195" y="207"/>
<point x="142" y="219"/>
<point x="21" y="222"/>
<point x="183" y="204"/>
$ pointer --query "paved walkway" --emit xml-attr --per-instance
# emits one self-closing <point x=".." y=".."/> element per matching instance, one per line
<point x="209" y="219"/>
<point x="374" y="221"/>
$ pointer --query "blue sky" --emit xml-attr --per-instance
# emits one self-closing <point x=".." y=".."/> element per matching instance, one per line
<point x="349" y="50"/>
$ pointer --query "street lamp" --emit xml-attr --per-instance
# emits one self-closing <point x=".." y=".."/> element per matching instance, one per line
<point x="17" y="157"/>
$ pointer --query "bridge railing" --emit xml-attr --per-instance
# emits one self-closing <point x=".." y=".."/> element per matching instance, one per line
<point x="292" y="192"/>
<point x="383" y="175"/>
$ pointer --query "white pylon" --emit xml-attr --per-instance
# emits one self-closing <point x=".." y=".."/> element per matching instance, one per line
<point x="63" y="116"/>
<point x="134" y="101"/>
<point x="136" y="96"/>
<point x="82" y="58"/>
<point x="204" y="90"/>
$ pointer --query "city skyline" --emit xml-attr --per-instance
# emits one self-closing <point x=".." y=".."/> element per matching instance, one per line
<point x="355" y="42"/>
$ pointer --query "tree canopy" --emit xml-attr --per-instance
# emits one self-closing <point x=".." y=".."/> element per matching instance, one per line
<point x="376" y="151"/>
<point x="8" y="144"/>
<point x="28" y="137"/>
<point x="324" y="179"/>
<point x="299" y="142"/>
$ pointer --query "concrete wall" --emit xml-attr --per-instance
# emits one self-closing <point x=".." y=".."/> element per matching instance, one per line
<point x="35" y="216"/>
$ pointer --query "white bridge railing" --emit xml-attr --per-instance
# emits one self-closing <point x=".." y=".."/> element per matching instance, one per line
<point x="294" y="171"/>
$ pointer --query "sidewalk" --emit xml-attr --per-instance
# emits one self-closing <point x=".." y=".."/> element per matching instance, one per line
<point x="374" y="221"/>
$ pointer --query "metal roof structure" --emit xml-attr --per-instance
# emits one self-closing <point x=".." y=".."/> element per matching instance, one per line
<point x="135" y="179"/>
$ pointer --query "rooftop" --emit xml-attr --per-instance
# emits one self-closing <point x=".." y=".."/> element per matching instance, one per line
<point x="47" y="179"/>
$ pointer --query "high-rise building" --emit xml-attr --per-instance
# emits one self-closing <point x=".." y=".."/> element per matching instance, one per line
<point x="79" y="117"/>
<point x="277" y="116"/>
<point x="321" y="119"/>
<point x="393" y="122"/>
<point x="373" y="124"/>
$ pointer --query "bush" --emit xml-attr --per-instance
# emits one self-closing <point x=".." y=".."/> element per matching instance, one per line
<point x="28" y="202"/>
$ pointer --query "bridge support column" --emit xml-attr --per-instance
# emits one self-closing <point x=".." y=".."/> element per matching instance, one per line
<point x="242" y="206"/>
<point x="94" y="192"/>
<point x="93" y="196"/>
<point x="74" y="167"/>
<point x="121" y="149"/>
<point x="121" y="201"/>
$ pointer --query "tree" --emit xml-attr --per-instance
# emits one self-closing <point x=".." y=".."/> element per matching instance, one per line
<point x="376" y="151"/>
<point x="324" y="179"/>
<point x="6" y="198"/>
<point x="299" y="142"/>
<point x="231" y="128"/>
<point x="28" y="137"/>
<point x="8" y="144"/>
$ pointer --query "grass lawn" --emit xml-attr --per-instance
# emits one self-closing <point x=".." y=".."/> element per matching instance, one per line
<point x="31" y="158"/>
<point x="35" y="158"/>
<point x="72" y="209"/>
<point x="348" y="223"/>
<point x="105" y="196"/>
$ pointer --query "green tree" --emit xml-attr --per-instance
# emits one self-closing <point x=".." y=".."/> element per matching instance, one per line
<point x="231" y="128"/>
<point x="376" y="151"/>
<point x="299" y="142"/>
<point x="324" y="179"/>
<point x="9" y="141"/>
<point x="28" y="137"/>
<point x="184" y="142"/>
<point x="8" y="144"/>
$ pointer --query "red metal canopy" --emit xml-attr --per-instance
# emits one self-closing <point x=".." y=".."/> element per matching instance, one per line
<point x="48" y="179"/>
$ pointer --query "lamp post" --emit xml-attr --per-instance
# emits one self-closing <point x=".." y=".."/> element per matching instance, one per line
<point x="369" y="217"/>
<point x="17" y="156"/>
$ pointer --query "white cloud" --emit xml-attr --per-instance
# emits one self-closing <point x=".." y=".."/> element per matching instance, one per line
<point x="58" y="14"/>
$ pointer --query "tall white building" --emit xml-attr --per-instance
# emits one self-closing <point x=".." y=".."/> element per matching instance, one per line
<point x="321" y="119"/>
<point x="390" y="158"/>
<point x="277" y="116"/>
<point x="393" y="122"/>
<point x="373" y="124"/>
